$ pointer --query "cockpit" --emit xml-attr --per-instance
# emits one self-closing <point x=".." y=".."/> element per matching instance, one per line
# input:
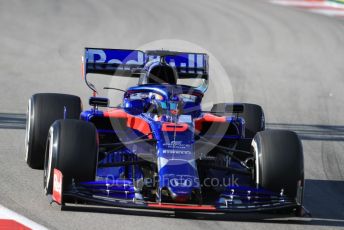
<point x="163" y="99"/>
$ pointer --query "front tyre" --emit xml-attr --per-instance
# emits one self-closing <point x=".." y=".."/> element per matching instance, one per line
<point x="72" y="148"/>
<point x="279" y="162"/>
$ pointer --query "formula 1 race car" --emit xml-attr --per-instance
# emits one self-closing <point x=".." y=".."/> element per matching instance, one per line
<point x="159" y="150"/>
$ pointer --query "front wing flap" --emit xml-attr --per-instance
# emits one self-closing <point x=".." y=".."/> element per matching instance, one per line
<point x="238" y="204"/>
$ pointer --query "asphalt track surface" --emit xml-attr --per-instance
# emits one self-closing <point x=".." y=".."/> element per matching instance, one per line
<point x="287" y="60"/>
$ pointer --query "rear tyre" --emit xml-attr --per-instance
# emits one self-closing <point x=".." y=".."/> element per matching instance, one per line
<point x="253" y="115"/>
<point x="71" y="148"/>
<point x="279" y="162"/>
<point x="43" y="110"/>
<point x="254" y="120"/>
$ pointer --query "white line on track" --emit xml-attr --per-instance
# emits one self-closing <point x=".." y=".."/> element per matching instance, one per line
<point x="5" y="213"/>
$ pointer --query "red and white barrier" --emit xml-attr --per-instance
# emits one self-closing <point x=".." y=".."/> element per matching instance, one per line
<point x="330" y="7"/>
<point x="10" y="220"/>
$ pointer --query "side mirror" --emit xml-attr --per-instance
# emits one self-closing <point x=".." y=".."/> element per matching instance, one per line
<point x="99" y="101"/>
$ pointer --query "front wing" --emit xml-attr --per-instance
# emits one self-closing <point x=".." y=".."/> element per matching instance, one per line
<point x="230" y="208"/>
<point x="237" y="203"/>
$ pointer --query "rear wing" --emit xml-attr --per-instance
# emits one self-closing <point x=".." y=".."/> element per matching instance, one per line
<point x="130" y="63"/>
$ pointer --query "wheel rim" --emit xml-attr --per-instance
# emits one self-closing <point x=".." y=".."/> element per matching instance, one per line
<point x="256" y="156"/>
<point x="27" y="133"/>
<point x="48" y="162"/>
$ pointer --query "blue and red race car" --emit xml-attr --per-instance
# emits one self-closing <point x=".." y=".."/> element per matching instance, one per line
<point x="159" y="150"/>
